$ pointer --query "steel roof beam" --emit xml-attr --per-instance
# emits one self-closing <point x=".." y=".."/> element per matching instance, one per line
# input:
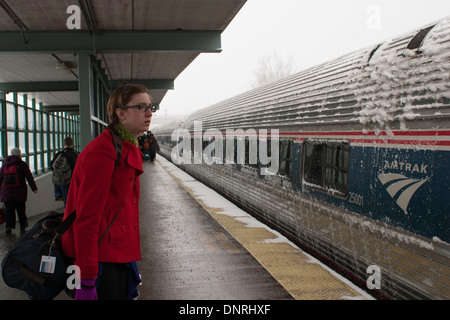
<point x="62" y="108"/>
<point x="48" y="86"/>
<point x="109" y="41"/>
<point x="149" y="83"/>
<point x="39" y="86"/>
<point x="72" y="109"/>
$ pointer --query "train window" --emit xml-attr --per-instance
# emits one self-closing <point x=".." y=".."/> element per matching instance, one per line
<point x="325" y="165"/>
<point x="168" y="141"/>
<point x="206" y="143"/>
<point x="229" y="153"/>
<point x="251" y="151"/>
<point x="286" y="153"/>
<point x="235" y="154"/>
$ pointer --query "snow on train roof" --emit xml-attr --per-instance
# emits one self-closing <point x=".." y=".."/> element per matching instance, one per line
<point x="403" y="84"/>
<point x="374" y="88"/>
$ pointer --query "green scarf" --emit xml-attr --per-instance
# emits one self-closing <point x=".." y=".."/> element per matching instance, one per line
<point x="126" y="135"/>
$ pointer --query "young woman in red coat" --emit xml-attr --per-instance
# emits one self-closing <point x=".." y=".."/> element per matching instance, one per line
<point x="99" y="189"/>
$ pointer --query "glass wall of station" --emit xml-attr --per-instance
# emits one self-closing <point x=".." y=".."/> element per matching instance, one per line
<point x="37" y="133"/>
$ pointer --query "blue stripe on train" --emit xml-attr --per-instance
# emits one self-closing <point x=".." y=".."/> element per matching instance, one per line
<point x="406" y="188"/>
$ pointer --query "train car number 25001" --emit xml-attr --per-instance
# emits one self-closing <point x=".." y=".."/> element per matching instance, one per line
<point x="356" y="199"/>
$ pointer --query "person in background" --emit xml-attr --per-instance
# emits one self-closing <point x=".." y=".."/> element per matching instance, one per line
<point x="144" y="145"/>
<point x="154" y="146"/>
<point x="13" y="189"/>
<point x="71" y="155"/>
<point x="104" y="239"/>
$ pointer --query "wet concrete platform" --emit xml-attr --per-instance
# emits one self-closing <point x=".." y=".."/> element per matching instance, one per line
<point x="186" y="254"/>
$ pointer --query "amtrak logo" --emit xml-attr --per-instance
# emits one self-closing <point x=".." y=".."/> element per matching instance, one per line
<point x="396" y="184"/>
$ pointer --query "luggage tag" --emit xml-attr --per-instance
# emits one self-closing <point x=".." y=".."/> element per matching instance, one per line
<point x="48" y="264"/>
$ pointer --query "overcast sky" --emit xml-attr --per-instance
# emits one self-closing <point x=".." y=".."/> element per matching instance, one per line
<point x="311" y="32"/>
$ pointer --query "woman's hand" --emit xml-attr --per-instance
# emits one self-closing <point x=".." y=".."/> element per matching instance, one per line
<point x="87" y="291"/>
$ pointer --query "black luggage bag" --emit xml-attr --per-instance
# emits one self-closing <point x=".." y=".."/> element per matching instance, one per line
<point x="36" y="264"/>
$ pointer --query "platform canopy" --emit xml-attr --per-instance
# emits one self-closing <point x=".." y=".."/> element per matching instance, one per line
<point x="145" y="41"/>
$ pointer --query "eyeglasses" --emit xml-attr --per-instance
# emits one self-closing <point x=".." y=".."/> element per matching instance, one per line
<point x="142" y="107"/>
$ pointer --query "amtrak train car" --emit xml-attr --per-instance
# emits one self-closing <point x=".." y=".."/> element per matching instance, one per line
<point x="361" y="173"/>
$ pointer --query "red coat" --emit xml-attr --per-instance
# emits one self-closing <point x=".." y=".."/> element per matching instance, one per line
<point x="97" y="191"/>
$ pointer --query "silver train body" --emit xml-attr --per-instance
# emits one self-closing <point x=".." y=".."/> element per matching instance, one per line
<point x="362" y="178"/>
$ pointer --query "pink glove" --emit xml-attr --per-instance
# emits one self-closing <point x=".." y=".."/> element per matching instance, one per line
<point x="87" y="291"/>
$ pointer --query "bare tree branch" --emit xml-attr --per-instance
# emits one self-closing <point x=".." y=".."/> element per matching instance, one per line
<point x="272" y="67"/>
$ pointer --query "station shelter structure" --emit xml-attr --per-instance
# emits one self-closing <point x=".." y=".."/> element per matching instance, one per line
<point x="61" y="59"/>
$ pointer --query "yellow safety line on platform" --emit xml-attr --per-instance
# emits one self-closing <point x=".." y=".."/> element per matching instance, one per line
<point x="298" y="273"/>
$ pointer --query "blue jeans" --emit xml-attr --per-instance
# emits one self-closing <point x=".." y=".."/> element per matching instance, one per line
<point x="62" y="191"/>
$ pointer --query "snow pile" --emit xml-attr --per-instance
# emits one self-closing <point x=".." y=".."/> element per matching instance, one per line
<point x="397" y="83"/>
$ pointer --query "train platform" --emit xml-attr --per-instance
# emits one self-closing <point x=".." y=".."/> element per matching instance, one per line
<point x="196" y="245"/>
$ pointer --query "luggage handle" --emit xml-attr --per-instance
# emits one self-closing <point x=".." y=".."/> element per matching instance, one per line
<point x="46" y="227"/>
<point x="30" y="274"/>
<point x="23" y="269"/>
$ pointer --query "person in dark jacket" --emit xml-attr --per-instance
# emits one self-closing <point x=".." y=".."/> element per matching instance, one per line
<point x="14" y="197"/>
<point x="154" y="146"/>
<point x="71" y="156"/>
